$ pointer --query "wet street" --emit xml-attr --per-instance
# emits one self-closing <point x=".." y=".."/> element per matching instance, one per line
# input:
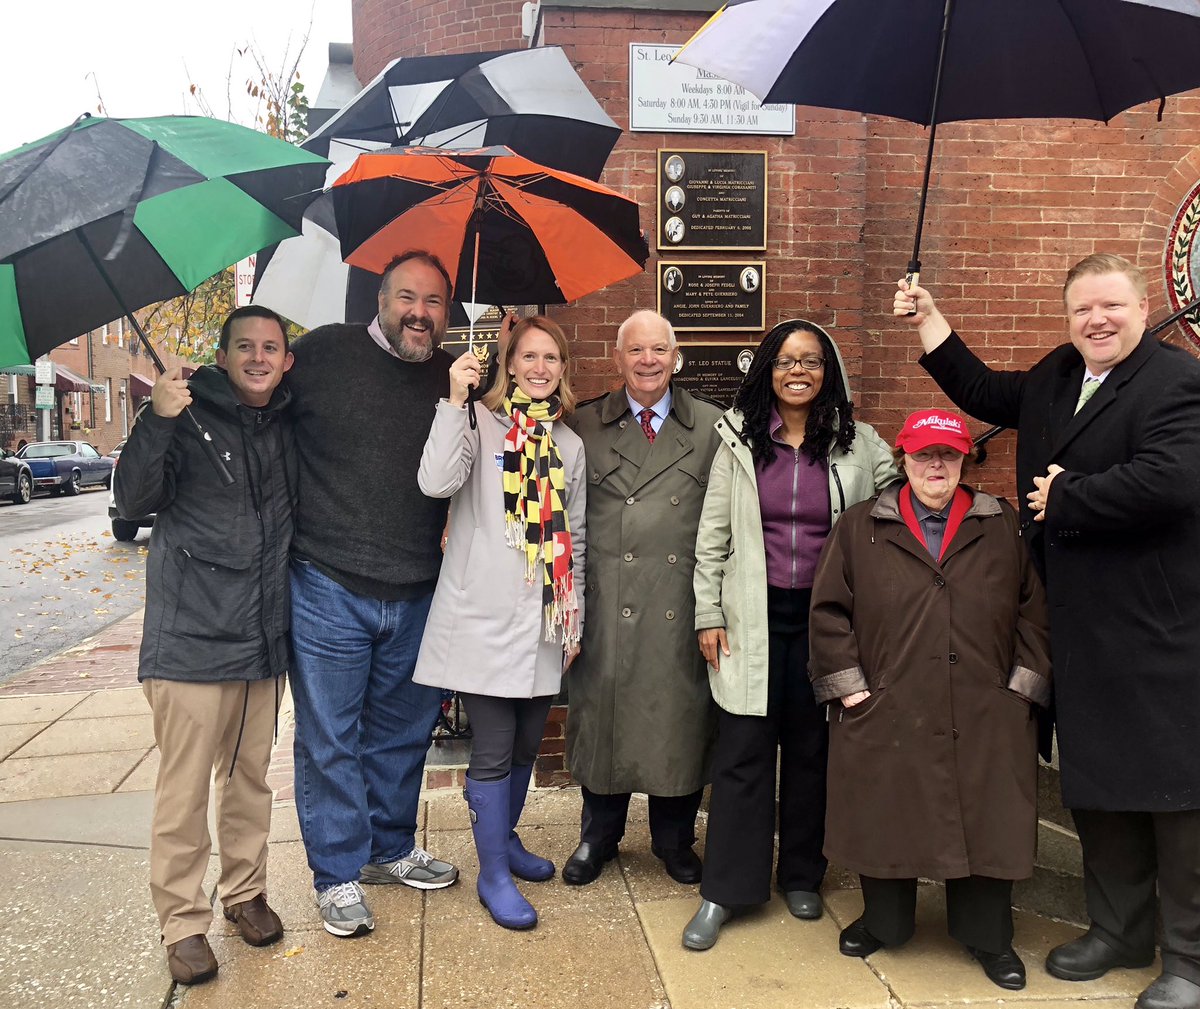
<point x="62" y="576"/>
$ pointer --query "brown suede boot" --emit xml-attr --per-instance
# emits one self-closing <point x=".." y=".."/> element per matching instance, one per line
<point x="191" y="960"/>
<point x="258" y="924"/>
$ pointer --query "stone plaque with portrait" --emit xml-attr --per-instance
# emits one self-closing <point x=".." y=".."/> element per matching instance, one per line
<point x="714" y="370"/>
<point x="712" y="200"/>
<point x="709" y="296"/>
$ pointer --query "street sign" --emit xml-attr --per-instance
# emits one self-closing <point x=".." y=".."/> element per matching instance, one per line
<point x="43" y="370"/>
<point x="244" y="281"/>
<point x="45" y="397"/>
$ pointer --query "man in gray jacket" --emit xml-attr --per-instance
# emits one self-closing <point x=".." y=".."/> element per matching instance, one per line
<point x="215" y="638"/>
<point x="641" y="715"/>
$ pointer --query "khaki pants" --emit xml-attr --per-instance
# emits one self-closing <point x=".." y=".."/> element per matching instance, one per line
<point x="196" y="727"/>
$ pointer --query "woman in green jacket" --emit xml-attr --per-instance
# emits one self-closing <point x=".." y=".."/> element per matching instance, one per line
<point x="792" y="460"/>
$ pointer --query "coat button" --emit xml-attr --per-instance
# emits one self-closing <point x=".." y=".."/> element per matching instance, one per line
<point x="596" y="475"/>
<point x="629" y="557"/>
<point x="953" y="657"/>
<point x="623" y="424"/>
<point x="626" y="612"/>
<point x="670" y="614"/>
<point x="674" y="500"/>
<point x="954" y="733"/>
<point x="629" y="500"/>
<point x="671" y="558"/>
<point x="939" y="581"/>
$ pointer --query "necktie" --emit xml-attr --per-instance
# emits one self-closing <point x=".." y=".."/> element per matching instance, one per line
<point x="1090" y="385"/>
<point x="644" y="417"/>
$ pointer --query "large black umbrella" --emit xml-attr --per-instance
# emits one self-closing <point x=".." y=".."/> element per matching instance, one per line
<point x="935" y="61"/>
<point x="531" y="100"/>
<point x="109" y="215"/>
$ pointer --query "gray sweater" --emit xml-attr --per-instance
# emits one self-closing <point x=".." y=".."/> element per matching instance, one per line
<point x="361" y="419"/>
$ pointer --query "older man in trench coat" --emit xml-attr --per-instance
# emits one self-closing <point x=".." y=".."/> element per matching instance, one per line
<point x="1108" y="461"/>
<point x="641" y="716"/>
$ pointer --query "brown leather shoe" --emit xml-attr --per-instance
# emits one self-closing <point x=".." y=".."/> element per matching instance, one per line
<point x="258" y="924"/>
<point x="191" y="960"/>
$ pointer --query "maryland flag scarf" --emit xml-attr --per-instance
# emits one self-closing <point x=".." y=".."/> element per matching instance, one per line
<point x="535" y="514"/>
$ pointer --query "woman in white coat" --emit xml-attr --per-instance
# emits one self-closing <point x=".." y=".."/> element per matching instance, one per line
<point x="508" y="609"/>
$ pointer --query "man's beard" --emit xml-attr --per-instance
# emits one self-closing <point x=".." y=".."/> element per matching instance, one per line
<point x="407" y="346"/>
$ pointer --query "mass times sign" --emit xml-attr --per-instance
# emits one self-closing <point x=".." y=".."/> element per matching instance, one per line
<point x="666" y="97"/>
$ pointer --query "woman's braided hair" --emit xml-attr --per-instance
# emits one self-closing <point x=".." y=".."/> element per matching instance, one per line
<point x="831" y="417"/>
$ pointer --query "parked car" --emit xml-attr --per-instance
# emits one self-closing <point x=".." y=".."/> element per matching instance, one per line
<point x="115" y="454"/>
<point x="69" y="466"/>
<point x="124" y="530"/>
<point x="16" y="479"/>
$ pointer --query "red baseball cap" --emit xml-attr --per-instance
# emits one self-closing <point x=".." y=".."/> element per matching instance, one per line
<point x="934" y="427"/>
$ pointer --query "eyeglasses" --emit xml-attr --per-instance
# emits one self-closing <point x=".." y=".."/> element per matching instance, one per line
<point x="809" y="362"/>
<point x="942" y="452"/>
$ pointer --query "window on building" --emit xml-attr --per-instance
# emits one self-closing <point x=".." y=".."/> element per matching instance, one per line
<point x="108" y="401"/>
<point x="121" y="332"/>
<point x="104" y="334"/>
<point x="77" y="405"/>
<point x="74" y="342"/>
<point x="12" y="389"/>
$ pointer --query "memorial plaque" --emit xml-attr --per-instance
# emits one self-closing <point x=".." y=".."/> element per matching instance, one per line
<point x="712" y="296"/>
<point x="712" y="200"/>
<point x="714" y="370"/>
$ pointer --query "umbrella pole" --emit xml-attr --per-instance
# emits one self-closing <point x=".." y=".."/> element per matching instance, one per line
<point x="471" y="329"/>
<point x="206" y="442"/>
<point x="913" y="274"/>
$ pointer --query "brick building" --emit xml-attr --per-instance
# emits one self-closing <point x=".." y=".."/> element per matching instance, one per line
<point x="1012" y="204"/>
<point x="101" y="379"/>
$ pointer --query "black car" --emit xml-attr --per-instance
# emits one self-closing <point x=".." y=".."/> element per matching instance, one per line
<point x="16" y="479"/>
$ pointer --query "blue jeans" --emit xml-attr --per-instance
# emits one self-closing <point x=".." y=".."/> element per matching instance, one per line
<point x="362" y="725"/>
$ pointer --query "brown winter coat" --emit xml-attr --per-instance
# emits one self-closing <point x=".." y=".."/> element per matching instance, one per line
<point x="935" y="773"/>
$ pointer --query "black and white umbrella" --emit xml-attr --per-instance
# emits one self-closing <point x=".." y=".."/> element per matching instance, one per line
<point x="938" y="61"/>
<point x="530" y="100"/>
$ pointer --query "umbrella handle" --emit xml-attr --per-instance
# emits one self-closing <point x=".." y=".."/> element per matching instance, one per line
<point x="206" y="442"/>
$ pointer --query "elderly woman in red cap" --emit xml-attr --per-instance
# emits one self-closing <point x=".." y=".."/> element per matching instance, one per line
<point x="929" y="641"/>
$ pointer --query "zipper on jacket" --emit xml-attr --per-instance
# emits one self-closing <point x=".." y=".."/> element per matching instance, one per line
<point x="795" y="491"/>
<point x="838" y="480"/>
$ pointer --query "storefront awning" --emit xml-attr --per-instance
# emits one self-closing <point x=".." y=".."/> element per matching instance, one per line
<point x="65" y="380"/>
<point x="140" y="386"/>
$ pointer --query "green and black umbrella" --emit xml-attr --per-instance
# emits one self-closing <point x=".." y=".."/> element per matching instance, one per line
<point x="109" y="215"/>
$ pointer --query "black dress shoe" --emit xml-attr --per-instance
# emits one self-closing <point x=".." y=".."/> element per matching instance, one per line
<point x="1170" y="992"/>
<point x="586" y="863"/>
<point x="855" y="940"/>
<point x="1089" y="957"/>
<point x="682" y="864"/>
<point x="1004" y="969"/>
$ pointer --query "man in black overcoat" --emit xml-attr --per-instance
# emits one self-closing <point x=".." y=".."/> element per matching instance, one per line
<point x="1108" y="467"/>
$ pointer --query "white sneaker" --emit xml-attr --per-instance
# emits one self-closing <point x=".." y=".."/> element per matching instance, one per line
<point x="344" y="909"/>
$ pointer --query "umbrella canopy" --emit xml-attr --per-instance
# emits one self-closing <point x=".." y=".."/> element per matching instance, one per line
<point x="544" y="237"/>
<point x="531" y="100"/>
<point x="110" y="215"/>
<point x="932" y="61"/>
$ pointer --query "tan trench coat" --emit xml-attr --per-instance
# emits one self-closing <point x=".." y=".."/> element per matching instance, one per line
<point x="935" y="774"/>
<point x="485" y="633"/>
<point x="641" y="718"/>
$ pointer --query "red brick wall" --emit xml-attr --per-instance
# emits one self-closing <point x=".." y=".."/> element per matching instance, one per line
<point x="387" y="29"/>
<point x="1012" y="206"/>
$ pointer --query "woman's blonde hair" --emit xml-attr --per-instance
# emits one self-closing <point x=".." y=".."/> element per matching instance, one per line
<point x="501" y="378"/>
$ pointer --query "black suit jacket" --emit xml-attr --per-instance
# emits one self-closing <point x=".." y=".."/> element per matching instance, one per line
<point x="1120" y="553"/>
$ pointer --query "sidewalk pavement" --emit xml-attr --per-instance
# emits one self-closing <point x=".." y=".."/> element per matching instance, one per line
<point x="77" y="765"/>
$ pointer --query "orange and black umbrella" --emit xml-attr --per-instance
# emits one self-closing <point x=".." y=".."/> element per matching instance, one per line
<point x="509" y="231"/>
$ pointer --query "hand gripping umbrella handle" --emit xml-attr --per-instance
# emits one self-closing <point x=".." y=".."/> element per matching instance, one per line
<point x="206" y="442"/>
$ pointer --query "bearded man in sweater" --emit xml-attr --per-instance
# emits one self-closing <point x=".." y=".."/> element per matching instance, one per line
<point x="365" y="560"/>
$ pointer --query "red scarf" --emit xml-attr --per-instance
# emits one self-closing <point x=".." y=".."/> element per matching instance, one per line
<point x="958" y="508"/>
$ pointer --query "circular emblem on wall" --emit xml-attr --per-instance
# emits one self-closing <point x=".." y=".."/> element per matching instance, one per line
<point x="744" y="359"/>
<point x="678" y="362"/>
<point x="1183" y="262"/>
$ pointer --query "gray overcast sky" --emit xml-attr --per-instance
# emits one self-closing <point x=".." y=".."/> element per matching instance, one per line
<point x="144" y="53"/>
